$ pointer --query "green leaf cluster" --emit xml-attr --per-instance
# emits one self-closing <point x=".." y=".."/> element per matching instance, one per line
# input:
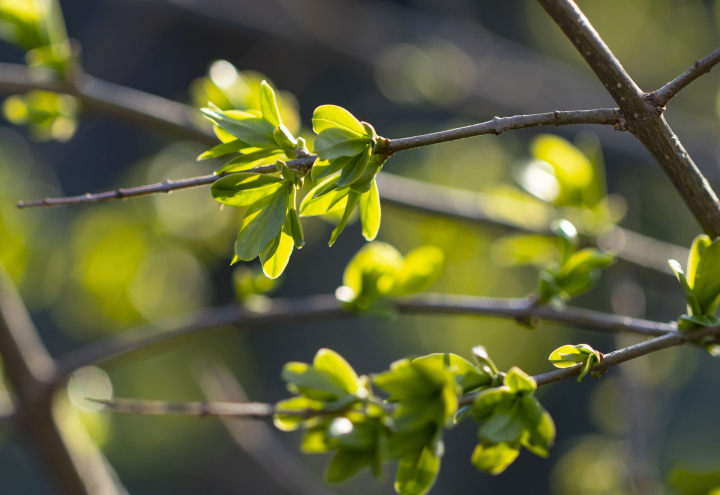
<point x="230" y="89"/>
<point x="340" y="413"/>
<point x="378" y="271"/>
<point x="572" y="179"/>
<point x="48" y="115"/>
<point x="352" y="423"/>
<point x="702" y="282"/>
<point x="570" y="355"/>
<point x="578" y="270"/>
<point x="249" y="282"/>
<point x="511" y="418"/>
<point x="253" y="137"/>
<point x="346" y="170"/>
<point x="702" y="286"/>
<point x="271" y="226"/>
<point x="39" y="28"/>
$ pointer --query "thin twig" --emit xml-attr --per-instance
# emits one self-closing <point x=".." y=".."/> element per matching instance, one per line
<point x="164" y="187"/>
<point x="662" y="96"/>
<point x="326" y="307"/>
<point x="165" y="408"/>
<point x="641" y="117"/>
<point x="599" y="116"/>
<point x="602" y="116"/>
<point x="526" y="310"/>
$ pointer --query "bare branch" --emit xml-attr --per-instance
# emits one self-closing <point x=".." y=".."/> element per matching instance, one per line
<point x="282" y="312"/>
<point x="30" y="371"/>
<point x="662" y="96"/>
<point x="526" y="310"/>
<point x="100" y="97"/>
<point x="325" y="307"/>
<point x="257" y="438"/>
<point x="163" y="408"/>
<point x="495" y="126"/>
<point x="602" y="116"/>
<point x="641" y="116"/>
<point x="166" y="187"/>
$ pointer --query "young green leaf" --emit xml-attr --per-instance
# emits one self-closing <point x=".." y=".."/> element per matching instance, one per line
<point x="223" y="149"/>
<point x="261" y="223"/>
<point x="331" y="116"/>
<point x="244" y="126"/>
<point x="275" y="256"/>
<point x="348" y="463"/>
<point x="355" y="168"/>
<point x="706" y="282"/>
<point x="417" y="472"/>
<point x="352" y="200"/>
<point x="421" y="268"/>
<point x="332" y="201"/>
<point x="296" y="228"/>
<point x="570" y="355"/>
<point x="285" y="139"/>
<point x="251" y="160"/>
<point x="692" y="302"/>
<point x="245" y="189"/>
<point x="323" y="169"/>
<point x="495" y="458"/>
<point x="268" y="104"/>
<point x="520" y="382"/>
<point x="336" y="366"/>
<point x="370" y="213"/>
<point x="336" y="142"/>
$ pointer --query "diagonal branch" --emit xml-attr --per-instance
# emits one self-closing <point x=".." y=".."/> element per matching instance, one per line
<point x="641" y="116"/>
<point x="662" y="96"/>
<point x="599" y="116"/>
<point x="326" y="307"/>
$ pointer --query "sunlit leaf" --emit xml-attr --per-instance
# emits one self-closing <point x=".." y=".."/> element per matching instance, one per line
<point x="369" y="205"/>
<point x="331" y="116"/>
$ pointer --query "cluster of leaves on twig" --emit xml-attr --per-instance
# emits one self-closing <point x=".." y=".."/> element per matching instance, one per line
<point x="702" y="287"/>
<point x="38" y="28"/>
<point x="578" y="269"/>
<point x="346" y="170"/>
<point x="340" y="412"/>
<point x="378" y="271"/>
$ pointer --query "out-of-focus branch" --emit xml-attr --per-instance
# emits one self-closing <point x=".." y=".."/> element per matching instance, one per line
<point x="256" y="438"/>
<point x="112" y="100"/>
<point x="498" y="125"/>
<point x="31" y="372"/>
<point x="662" y="96"/>
<point x="641" y="116"/>
<point x="480" y="208"/>
<point x="325" y="307"/>
<point x="163" y="408"/>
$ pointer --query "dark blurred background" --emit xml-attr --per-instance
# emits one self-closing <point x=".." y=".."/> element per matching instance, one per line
<point x="408" y="67"/>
